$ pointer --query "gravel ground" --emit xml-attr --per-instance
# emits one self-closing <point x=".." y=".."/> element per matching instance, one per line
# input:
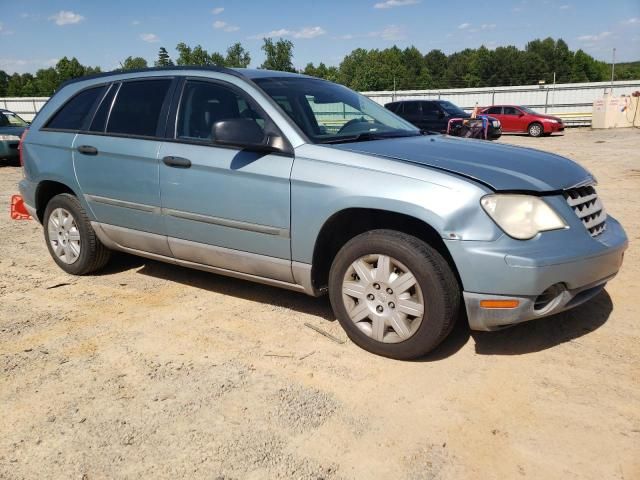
<point x="155" y="371"/>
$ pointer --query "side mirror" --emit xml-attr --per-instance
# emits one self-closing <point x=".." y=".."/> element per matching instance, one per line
<point x="239" y="132"/>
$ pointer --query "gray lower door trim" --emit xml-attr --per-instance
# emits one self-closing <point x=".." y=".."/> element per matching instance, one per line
<point x="256" y="268"/>
<point x="236" y="260"/>
<point x="251" y="227"/>
<point x="119" y="238"/>
<point x="122" y="203"/>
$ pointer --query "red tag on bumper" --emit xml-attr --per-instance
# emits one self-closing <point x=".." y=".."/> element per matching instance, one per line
<point x="18" y="210"/>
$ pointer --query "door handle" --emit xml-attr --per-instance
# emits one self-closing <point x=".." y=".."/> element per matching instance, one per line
<point x="87" y="150"/>
<point x="177" y="162"/>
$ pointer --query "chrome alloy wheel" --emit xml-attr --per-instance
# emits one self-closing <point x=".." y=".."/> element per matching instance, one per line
<point x="383" y="298"/>
<point x="535" y="130"/>
<point x="64" y="235"/>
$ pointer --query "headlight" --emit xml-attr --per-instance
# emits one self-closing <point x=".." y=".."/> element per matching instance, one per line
<point x="496" y="123"/>
<point x="9" y="137"/>
<point x="550" y="120"/>
<point x="521" y="216"/>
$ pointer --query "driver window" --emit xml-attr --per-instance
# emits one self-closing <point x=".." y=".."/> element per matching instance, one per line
<point x="205" y="103"/>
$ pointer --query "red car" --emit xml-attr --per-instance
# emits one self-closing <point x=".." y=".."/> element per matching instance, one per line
<point x="518" y="119"/>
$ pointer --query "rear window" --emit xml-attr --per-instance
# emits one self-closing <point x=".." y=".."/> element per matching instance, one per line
<point x="75" y="112"/>
<point x="137" y="107"/>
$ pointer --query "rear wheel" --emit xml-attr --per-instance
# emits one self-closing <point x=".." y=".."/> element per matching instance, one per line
<point x="393" y="294"/>
<point x="536" y="130"/>
<point x="71" y="240"/>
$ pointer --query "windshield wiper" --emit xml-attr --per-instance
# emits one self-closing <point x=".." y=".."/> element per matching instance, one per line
<point x="366" y="136"/>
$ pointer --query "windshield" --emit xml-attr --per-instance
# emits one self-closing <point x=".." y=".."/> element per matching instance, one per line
<point x="528" y="110"/>
<point x="330" y="113"/>
<point x="10" y="119"/>
<point x="452" y="109"/>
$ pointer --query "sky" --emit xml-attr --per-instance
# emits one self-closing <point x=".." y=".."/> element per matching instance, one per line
<point x="36" y="33"/>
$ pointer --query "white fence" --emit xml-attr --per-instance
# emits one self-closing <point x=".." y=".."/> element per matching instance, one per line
<point x="25" y="107"/>
<point x="572" y="101"/>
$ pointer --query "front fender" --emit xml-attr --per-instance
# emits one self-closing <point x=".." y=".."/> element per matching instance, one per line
<point x="320" y="188"/>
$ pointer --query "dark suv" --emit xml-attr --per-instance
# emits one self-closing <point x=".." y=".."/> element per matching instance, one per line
<point x="434" y="115"/>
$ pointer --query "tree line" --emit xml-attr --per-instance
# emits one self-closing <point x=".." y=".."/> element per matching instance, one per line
<point x="367" y="70"/>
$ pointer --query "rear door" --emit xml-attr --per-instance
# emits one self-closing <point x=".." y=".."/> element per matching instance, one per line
<point x="116" y="162"/>
<point x="412" y="112"/>
<point x="224" y="206"/>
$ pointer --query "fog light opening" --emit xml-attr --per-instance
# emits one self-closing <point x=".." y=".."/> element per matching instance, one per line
<point x="548" y="299"/>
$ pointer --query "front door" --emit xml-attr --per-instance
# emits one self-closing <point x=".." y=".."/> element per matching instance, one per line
<point x="511" y="120"/>
<point x="224" y="206"/>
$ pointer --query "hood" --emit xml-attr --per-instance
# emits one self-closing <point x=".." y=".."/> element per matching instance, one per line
<point x="12" y="130"/>
<point x="502" y="167"/>
<point x="548" y="117"/>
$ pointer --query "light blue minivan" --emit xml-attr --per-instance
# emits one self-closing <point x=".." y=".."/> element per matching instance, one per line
<point x="300" y="183"/>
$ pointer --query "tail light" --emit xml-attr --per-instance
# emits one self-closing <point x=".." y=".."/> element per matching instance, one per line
<point x="20" y="146"/>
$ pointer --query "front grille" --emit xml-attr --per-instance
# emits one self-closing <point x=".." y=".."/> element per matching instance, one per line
<point x="585" y="203"/>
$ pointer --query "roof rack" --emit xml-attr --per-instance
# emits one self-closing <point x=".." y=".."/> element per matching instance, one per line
<point x="209" y="68"/>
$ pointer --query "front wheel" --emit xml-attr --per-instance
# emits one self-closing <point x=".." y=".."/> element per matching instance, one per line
<point x="535" y="130"/>
<point x="393" y="294"/>
<point x="71" y="240"/>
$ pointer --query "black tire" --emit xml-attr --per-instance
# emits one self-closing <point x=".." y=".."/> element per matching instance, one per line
<point x="536" y="129"/>
<point x="437" y="282"/>
<point x="93" y="254"/>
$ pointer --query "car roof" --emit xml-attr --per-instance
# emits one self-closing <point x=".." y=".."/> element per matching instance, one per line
<point x="247" y="73"/>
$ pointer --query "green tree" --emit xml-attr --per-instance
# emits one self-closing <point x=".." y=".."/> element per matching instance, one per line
<point x="14" y="85"/>
<point x="237" y="56"/>
<point x="164" y="60"/>
<point x="133" y="63"/>
<point x="436" y="63"/>
<point x="4" y="80"/>
<point x="279" y="55"/>
<point x="47" y="81"/>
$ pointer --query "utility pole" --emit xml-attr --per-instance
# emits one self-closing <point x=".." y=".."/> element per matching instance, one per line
<point x="613" y="69"/>
<point x="394" y="88"/>
<point x="553" y="93"/>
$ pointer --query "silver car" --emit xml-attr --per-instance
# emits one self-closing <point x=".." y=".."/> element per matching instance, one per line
<point x="300" y="183"/>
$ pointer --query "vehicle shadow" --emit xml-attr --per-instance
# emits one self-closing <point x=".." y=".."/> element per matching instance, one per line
<point x="212" y="282"/>
<point x="528" y="337"/>
<point x="538" y="335"/>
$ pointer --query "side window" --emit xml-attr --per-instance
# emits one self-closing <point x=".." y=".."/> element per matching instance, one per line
<point x="73" y="114"/>
<point x="205" y="103"/>
<point x="137" y="107"/>
<point x="430" y="109"/>
<point x="511" y="111"/>
<point x="394" y="107"/>
<point x="494" y="111"/>
<point x="100" y="118"/>
<point x="411" y="108"/>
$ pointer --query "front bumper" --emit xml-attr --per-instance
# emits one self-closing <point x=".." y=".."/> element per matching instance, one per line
<point x="559" y="271"/>
<point x="9" y="149"/>
<point x="553" y="127"/>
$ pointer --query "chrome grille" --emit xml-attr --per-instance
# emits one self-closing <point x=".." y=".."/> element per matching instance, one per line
<point x="585" y="203"/>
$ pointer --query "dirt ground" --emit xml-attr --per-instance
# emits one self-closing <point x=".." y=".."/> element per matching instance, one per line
<point x="155" y="371"/>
